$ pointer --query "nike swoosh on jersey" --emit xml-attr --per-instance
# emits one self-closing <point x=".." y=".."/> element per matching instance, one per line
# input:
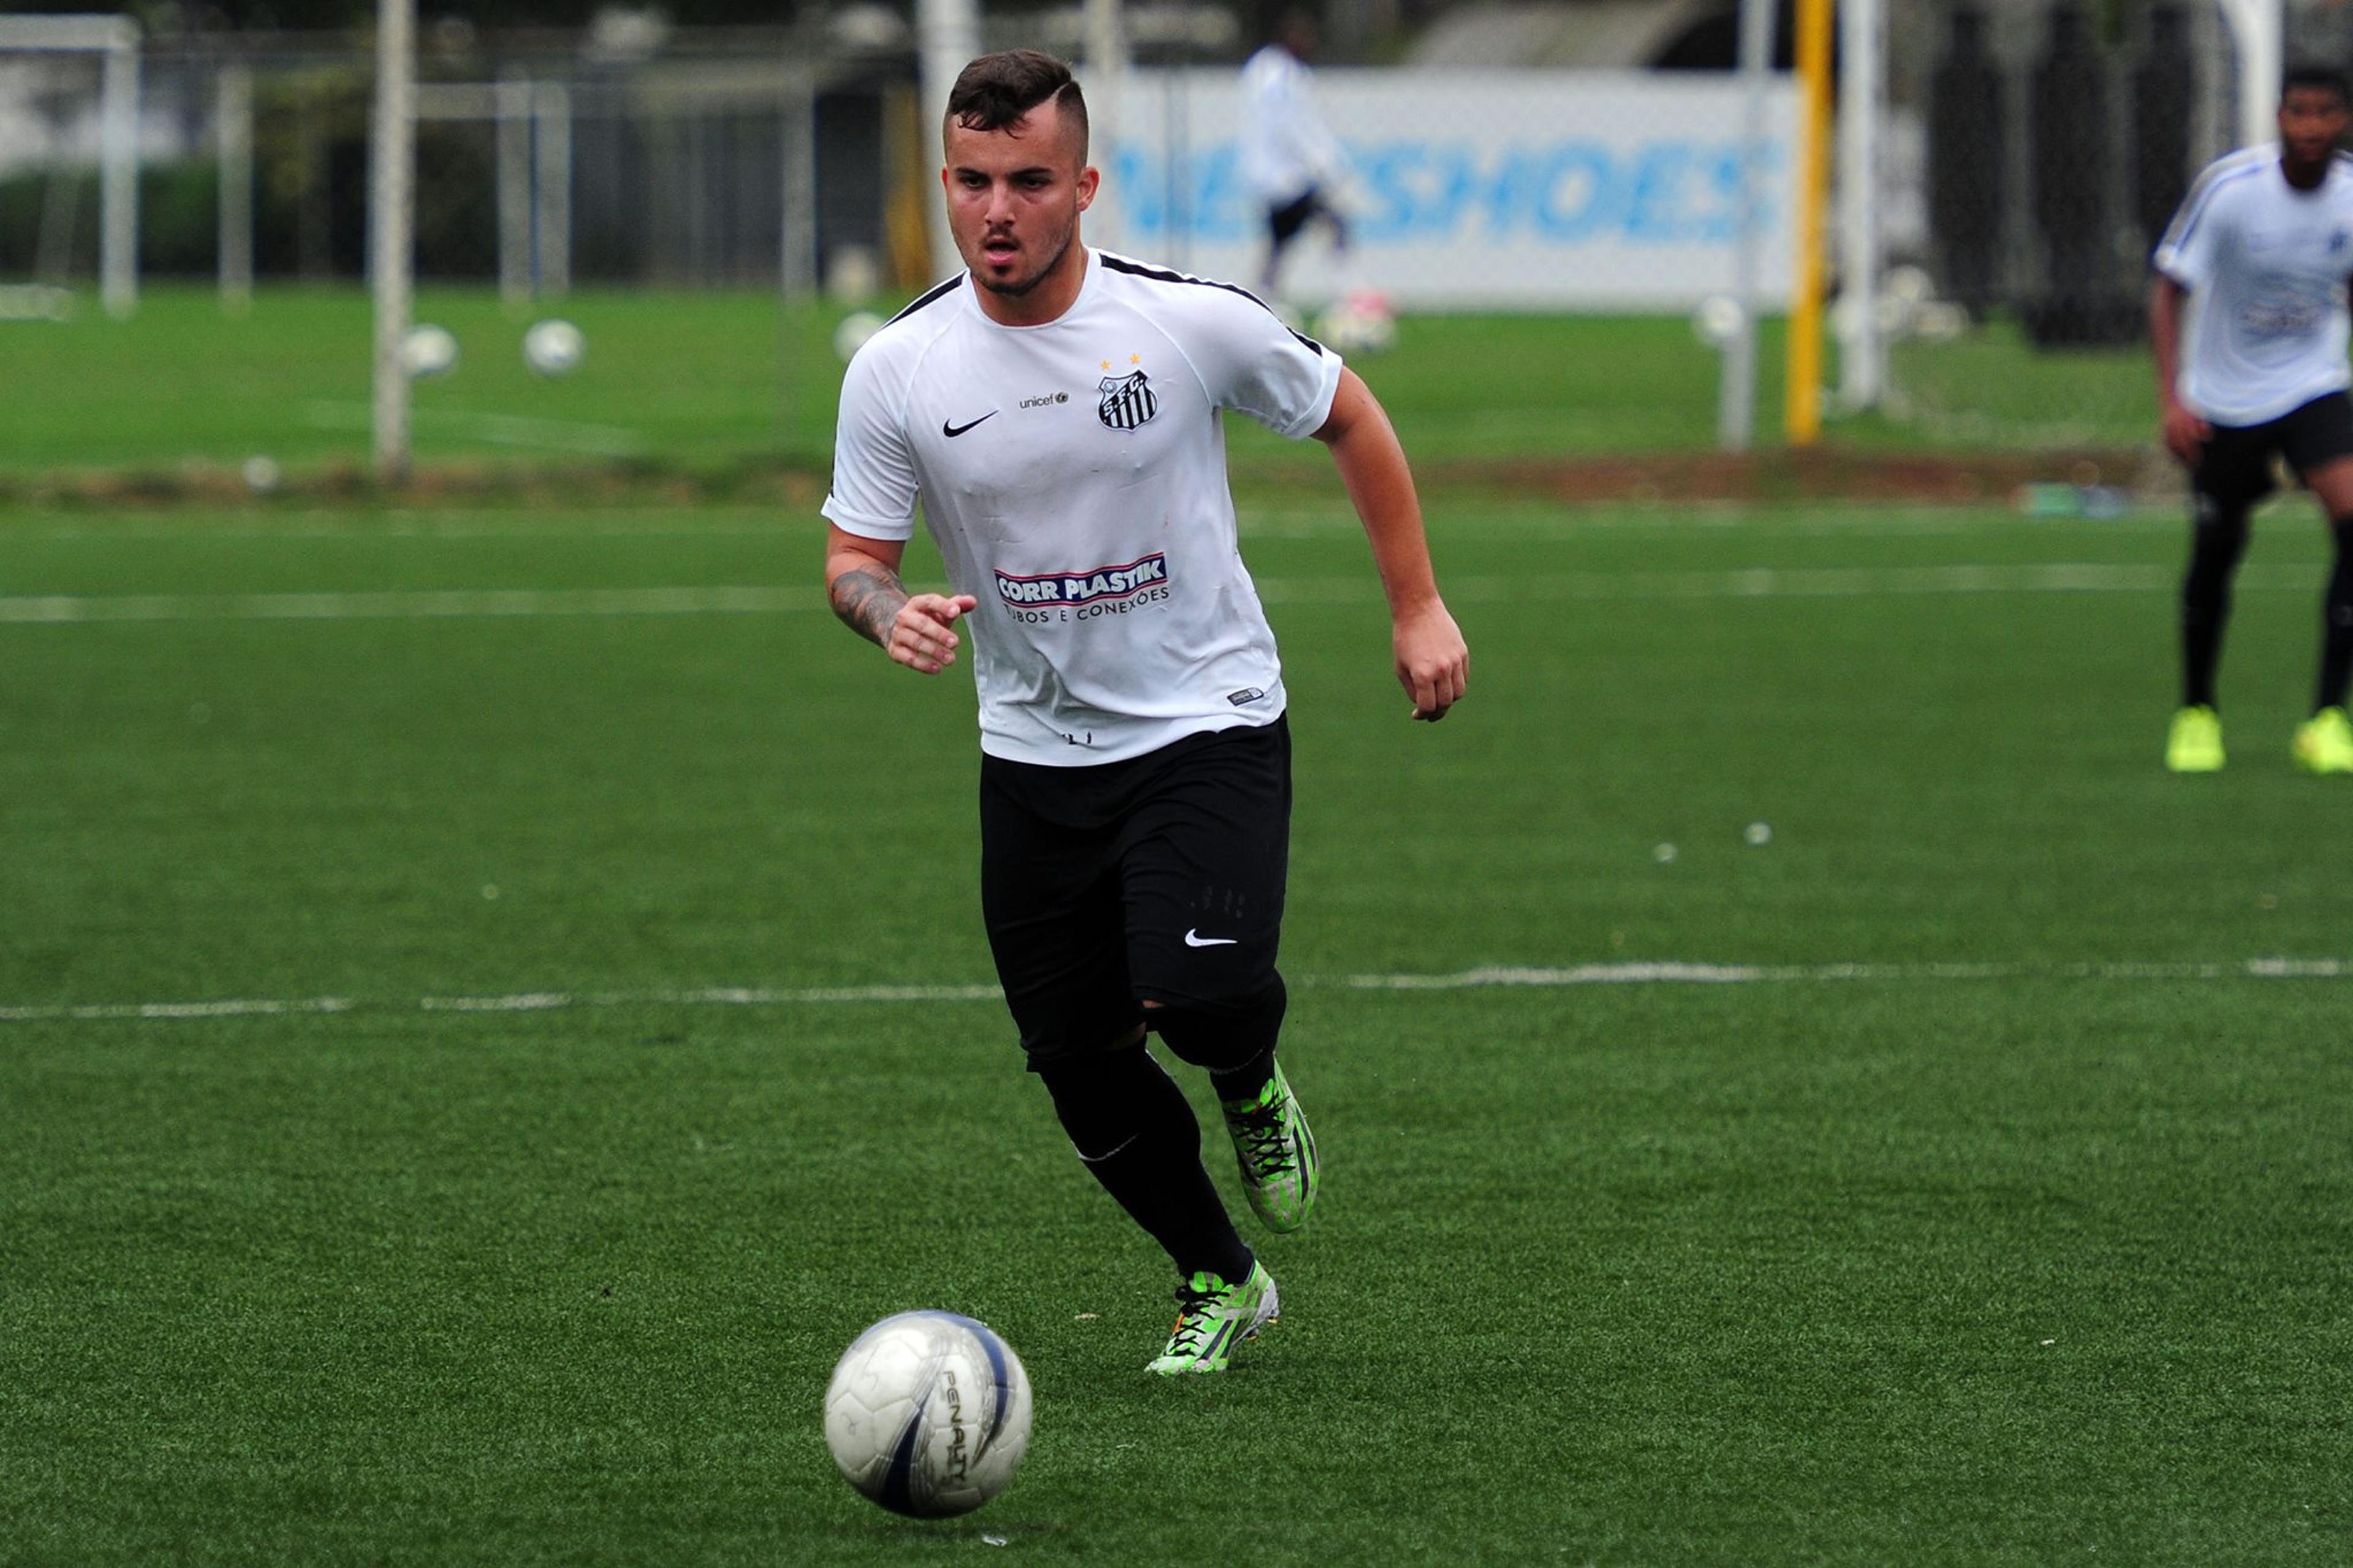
<point x="953" y="431"/>
<point x="1194" y="939"/>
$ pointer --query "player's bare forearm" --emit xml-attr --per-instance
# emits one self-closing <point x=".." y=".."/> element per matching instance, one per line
<point x="1380" y="485"/>
<point x="862" y="581"/>
<point x="1432" y="663"/>
<point x="2183" y="431"/>
<point x="867" y="598"/>
<point x="2164" y="331"/>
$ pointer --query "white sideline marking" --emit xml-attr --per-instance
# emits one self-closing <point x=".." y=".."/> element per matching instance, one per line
<point x="437" y="605"/>
<point x="1663" y="972"/>
<point x="1757" y="583"/>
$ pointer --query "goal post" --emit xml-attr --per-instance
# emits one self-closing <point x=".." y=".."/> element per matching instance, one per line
<point x="115" y="40"/>
<point x="392" y="213"/>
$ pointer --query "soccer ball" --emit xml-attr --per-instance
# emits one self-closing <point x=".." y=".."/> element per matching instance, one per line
<point x="429" y="350"/>
<point x="1719" y="319"/>
<point x="553" y="348"/>
<point x="1360" y="323"/>
<point x="928" y="1414"/>
<point x="851" y="335"/>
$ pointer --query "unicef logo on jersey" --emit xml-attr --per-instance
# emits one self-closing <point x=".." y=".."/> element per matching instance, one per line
<point x="1128" y="401"/>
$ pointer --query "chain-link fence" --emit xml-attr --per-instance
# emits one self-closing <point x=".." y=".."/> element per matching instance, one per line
<point x="2050" y="142"/>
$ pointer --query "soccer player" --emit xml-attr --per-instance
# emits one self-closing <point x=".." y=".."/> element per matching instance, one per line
<point x="1289" y="159"/>
<point x="1058" y="411"/>
<point x="2263" y="252"/>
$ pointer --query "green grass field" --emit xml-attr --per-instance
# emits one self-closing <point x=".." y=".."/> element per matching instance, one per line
<point x="389" y="1178"/>
<point x="706" y="381"/>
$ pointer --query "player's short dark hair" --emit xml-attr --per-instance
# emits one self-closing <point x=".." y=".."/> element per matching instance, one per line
<point x="2326" y="78"/>
<point x="995" y="91"/>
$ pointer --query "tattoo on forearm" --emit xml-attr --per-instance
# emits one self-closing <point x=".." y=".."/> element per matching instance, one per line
<point x="868" y="601"/>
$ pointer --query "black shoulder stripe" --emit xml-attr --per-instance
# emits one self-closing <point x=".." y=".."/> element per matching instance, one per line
<point x="1163" y="275"/>
<point x="937" y="291"/>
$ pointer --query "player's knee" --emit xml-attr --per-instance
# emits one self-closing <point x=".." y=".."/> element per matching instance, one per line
<point x="2218" y="521"/>
<point x="1220" y="1032"/>
<point x="1105" y="1099"/>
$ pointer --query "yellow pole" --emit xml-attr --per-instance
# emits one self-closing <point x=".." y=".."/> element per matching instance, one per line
<point x="1803" y="410"/>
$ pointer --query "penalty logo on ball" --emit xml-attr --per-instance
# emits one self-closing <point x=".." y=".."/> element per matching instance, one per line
<point x="928" y="1414"/>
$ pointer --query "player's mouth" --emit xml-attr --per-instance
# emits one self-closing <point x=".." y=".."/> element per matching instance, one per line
<point x="1000" y="247"/>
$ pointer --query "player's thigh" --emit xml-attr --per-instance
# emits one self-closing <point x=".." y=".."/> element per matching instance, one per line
<point x="2318" y="441"/>
<point x="1284" y="223"/>
<point x="1049" y="896"/>
<point x="2235" y="465"/>
<point x="1205" y="867"/>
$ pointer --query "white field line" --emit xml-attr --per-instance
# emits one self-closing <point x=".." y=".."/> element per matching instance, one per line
<point x="436" y="604"/>
<point x="1649" y="972"/>
<point x="1758" y="582"/>
<point x="499" y="429"/>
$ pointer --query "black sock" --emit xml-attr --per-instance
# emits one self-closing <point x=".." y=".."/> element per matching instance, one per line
<point x="2218" y="537"/>
<point x="1135" y="1129"/>
<point x="2337" y="624"/>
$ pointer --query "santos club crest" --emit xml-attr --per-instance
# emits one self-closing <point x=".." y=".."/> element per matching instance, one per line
<point x="1128" y="401"/>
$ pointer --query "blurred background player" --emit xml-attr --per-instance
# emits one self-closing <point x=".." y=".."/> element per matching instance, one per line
<point x="1059" y="413"/>
<point x="2261" y="250"/>
<point x="1290" y="161"/>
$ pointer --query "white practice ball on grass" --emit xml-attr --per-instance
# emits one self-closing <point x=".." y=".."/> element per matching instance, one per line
<point x="553" y="347"/>
<point x="429" y="350"/>
<point x="851" y="335"/>
<point x="1361" y="323"/>
<point x="1760" y="833"/>
<point x="928" y="1414"/>
<point x="1718" y="319"/>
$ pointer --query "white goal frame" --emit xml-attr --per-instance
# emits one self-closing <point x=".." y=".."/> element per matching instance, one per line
<point x="116" y="39"/>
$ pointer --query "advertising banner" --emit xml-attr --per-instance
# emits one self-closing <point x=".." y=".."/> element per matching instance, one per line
<point x="1612" y="190"/>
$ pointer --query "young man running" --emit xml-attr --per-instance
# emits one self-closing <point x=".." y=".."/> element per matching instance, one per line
<point x="1058" y="411"/>
<point x="2263" y="251"/>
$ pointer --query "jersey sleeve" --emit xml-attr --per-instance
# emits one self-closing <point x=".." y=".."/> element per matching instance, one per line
<point x="874" y="481"/>
<point x="2186" y="253"/>
<point x="1253" y="364"/>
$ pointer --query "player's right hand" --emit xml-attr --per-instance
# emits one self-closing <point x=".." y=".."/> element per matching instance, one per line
<point x="920" y="637"/>
<point x="2184" y="434"/>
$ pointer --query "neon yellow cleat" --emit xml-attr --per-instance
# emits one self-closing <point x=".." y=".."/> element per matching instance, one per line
<point x="2324" y="743"/>
<point x="2195" y="744"/>
<point x="1277" y="1153"/>
<point x="1212" y="1318"/>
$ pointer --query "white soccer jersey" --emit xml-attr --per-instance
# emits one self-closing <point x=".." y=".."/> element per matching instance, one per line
<point x="2266" y="267"/>
<point x="1074" y="477"/>
<point x="1286" y="151"/>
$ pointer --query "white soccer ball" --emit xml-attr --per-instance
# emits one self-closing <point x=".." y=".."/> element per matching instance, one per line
<point x="553" y="348"/>
<point x="1362" y="323"/>
<point x="429" y="350"/>
<point x="1718" y="319"/>
<point x="928" y="1414"/>
<point x="851" y="335"/>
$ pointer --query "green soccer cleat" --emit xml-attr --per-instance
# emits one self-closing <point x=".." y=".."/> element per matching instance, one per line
<point x="1212" y="1318"/>
<point x="2324" y="743"/>
<point x="2195" y="744"/>
<point x="1277" y="1153"/>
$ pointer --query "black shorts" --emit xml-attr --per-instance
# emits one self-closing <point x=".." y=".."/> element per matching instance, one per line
<point x="2236" y="462"/>
<point x="1161" y="876"/>
<point x="1284" y="223"/>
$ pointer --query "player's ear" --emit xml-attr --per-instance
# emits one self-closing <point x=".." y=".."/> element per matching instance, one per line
<point x="1089" y="180"/>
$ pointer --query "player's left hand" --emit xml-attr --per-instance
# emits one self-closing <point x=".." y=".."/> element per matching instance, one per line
<point x="1433" y="664"/>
